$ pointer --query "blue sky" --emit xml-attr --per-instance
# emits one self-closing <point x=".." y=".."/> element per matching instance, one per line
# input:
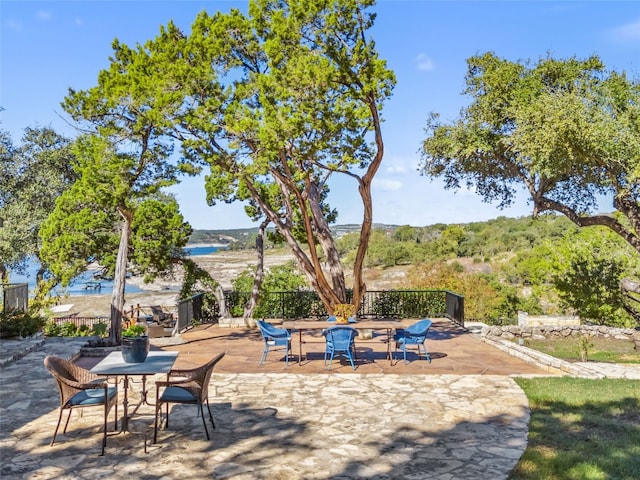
<point x="47" y="47"/>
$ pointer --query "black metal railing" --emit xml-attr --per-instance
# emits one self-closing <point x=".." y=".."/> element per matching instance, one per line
<point x="188" y="309"/>
<point x="455" y="308"/>
<point x="306" y="304"/>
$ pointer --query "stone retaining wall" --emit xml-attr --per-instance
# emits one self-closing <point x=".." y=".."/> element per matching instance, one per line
<point x="561" y="331"/>
<point x="236" y="322"/>
<point x="526" y="320"/>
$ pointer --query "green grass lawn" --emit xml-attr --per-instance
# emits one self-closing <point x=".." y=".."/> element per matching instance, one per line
<point x="581" y="429"/>
<point x="599" y="350"/>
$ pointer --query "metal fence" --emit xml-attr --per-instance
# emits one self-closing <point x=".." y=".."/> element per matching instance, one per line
<point x="306" y="304"/>
<point x="15" y="296"/>
<point x="200" y="308"/>
<point x="455" y="308"/>
<point x="79" y="321"/>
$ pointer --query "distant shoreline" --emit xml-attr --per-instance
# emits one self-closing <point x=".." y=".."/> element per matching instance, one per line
<point x="206" y="245"/>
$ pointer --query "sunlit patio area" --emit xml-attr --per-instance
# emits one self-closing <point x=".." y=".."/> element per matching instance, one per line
<point x="453" y="350"/>
<point x="460" y="416"/>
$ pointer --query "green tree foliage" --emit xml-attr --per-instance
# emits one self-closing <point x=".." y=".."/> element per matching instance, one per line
<point x="33" y="175"/>
<point x="564" y="129"/>
<point x="449" y="242"/>
<point x="533" y="268"/>
<point x="280" y="278"/>
<point x="114" y="214"/>
<point x="587" y="275"/>
<point x="276" y="103"/>
<point x="11" y="252"/>
<point x="485" y="298"/>
<point x="406" y="233"/>
<point x="382" y="250"/>
<point x="159" y="233"/>
<point x="385" y="249"/>
<point x="125" y="159"/>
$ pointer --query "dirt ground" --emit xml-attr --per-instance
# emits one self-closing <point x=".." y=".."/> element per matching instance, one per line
<point x="224" y="266"/>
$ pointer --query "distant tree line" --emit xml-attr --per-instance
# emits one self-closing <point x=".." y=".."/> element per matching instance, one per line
<point x="538" y="265"/>
<point x="543" y="265"/>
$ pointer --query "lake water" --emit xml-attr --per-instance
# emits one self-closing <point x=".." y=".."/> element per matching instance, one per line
<point x="85" y="284"/>
<point x="195" y="251"/>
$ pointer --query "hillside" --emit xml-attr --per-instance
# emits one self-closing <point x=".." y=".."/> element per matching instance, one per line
<point x="501" y="265"/>
<point x="245" y="236"/>
<point x="224" y="266"/>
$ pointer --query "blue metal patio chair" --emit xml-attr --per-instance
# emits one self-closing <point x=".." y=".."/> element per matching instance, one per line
<point x="274" y="338"/>
<point x="416" y="334"/>
<point x="340" y="340"/>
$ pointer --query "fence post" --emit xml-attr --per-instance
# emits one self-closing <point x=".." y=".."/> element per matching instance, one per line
<point x="15" y="296"/>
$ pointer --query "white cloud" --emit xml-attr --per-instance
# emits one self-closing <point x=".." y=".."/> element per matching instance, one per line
<point x="386" y="184"/>
<point x="424" y="63"/>
<point x="629" y="32"/>
<point x="14" y="25"/>
<point x="43" y="15"/>
<point x="398" y="168"/>
<point x="400" y="164"/>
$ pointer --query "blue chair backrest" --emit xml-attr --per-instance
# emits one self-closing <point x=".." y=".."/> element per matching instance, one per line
<point x="269" y="330"/>
<point x="341" y="337"/>
<point x="418" y="329"/>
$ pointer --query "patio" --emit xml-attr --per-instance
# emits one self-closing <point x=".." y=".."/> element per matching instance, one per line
<point x="459" y="417"/>
<point x="453" y="351"/>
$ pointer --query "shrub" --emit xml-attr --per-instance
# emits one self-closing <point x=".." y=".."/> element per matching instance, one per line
<point x="15" y="323"/>
<point x="51" y="329"/>
<point x="100" y="329"/>
<point x="83" y="331"/>
<point x="68" y="329"/>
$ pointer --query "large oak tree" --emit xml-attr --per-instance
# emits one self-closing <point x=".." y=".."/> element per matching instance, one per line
<point x="32" y="175"/>
<point x="566" y="130"/>
<point x="114" y="215"/>
<point x="275" y="102"/>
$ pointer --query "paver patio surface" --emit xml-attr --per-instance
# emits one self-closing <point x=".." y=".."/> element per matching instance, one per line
<point x="453" y="351"/>
<point x="460" y="417"/>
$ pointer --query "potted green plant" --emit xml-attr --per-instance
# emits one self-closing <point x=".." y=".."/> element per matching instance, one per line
<point x="135" y="344"/>
<point x="344" y="311"/>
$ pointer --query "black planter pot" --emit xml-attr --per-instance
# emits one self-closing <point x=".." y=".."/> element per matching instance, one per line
<point x="135" y="349"/>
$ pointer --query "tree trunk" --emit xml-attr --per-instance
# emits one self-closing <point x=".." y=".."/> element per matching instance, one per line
<point x="359" y="287"/>
<point x="310" y="266"/>
<point x="631" y="298"/>
<point x="328" y="244"/>
<point x="119" y="278"/>
<point x="219" y="294"/>
<point x="259" y="275"/>
<point x="629" y="285"/>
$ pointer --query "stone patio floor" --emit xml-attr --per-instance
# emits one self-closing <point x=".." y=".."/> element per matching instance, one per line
<point x="459" y="417"/>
